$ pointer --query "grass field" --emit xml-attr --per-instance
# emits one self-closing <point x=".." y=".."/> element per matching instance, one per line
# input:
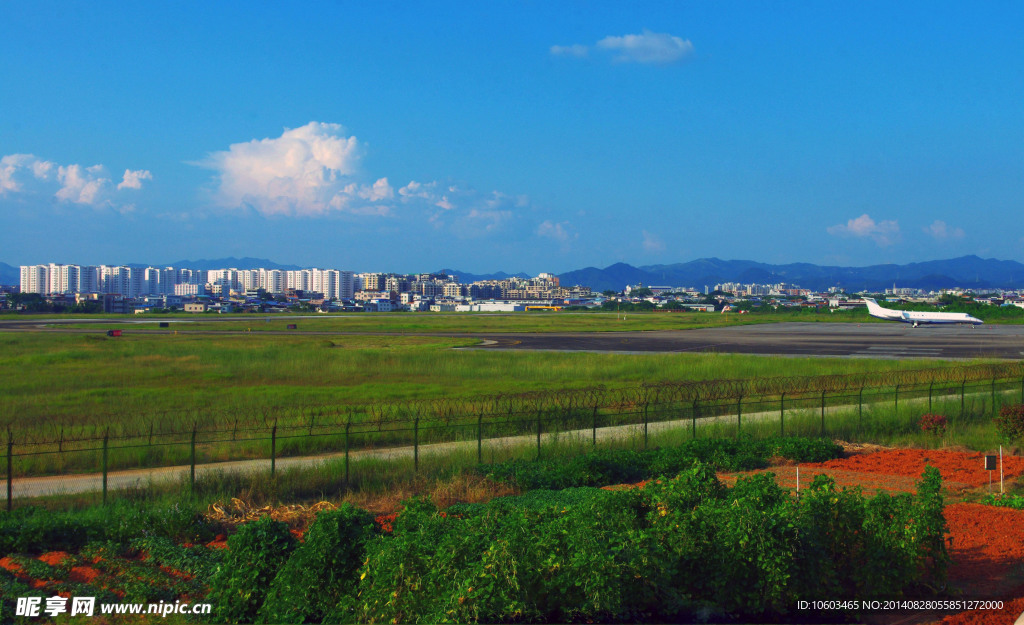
<point x="90" y="379"/>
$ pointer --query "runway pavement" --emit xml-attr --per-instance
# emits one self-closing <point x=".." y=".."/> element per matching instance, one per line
<point x="869" y="340"/>
<point x="841" y="339"/>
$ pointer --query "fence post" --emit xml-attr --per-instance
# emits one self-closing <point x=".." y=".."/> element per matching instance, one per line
<point x="963" y="389"/>
<point x="538" y="434"/>
<point x="993" y="395"/>
<point x="782" y="414"/>
<point x="739" y="415"/>
<point x="106" y="438"/>
<point x="645" y="426"/>
<point x="696" y="410"/>
<point x="480" y="438"/>
<point x="860" y="410"/>
<point x="594" y="437"/>
<point x="10" y="469"/>
<point x="896" y="401"/>
<point x="192" y="460"/>
<point x="930" y="385"/>
<point x="312" y="420"/>
<point x="60" y="443"/>
<point x="273" y="449"/>
<point x="348" y="426"/>
<point x="416" y="445"/>
<point x="823" y="413"/>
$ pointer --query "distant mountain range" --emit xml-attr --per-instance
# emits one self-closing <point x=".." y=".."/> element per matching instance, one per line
<point x="966" y="271"/>
<point x="465" y="277"/>
<point x="9" y="274"/>
<point x="230" y="262"/>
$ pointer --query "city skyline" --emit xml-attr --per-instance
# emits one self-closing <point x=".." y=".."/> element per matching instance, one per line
<point x="512" y="137"/>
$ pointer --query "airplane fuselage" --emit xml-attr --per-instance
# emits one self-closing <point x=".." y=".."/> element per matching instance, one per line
<point x="917" y="317"/>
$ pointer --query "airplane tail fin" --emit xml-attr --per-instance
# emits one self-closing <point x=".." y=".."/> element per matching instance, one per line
<point x="873" y="307"/>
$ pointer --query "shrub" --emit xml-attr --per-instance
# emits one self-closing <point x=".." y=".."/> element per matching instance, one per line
<point x="321" y="571"/>
<point x="32" y="530"/>
<point x="934" y="424"/>
<point x="604" y="467"/>
<point x="1010" y="422"/>
<point x="1004" y="501"/>
<point x="680" y="549"/>
<point x="255" y="553"/>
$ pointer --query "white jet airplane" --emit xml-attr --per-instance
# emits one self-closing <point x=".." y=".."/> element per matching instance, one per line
<point x="918" y="317"/>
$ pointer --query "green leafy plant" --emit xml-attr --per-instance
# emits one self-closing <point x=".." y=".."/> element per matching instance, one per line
<point x="321" y="571"/>
<point x="255" y="554"/>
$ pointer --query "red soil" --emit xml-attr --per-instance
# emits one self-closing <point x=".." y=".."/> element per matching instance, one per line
<point x="10" y="565"/>
<point x="219" y="542"/>
<point x="956" y="466"/>
<point x="386" y="522"/>
<point x="988" y="544"/>
<point x="1010" y="612"/>
<point x="54" y="558"/>
<point x="83" y="574"/>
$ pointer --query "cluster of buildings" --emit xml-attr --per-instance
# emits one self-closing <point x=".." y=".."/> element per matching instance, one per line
<point x="128" y="288"/>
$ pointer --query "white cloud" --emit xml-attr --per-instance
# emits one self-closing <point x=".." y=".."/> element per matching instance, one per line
<point x="29" y="175"/>
<point x="652" y="242"/>
<point x="578" y="50"/>
<point x="557" y="231"/>
<point x="81" y="185"/>
<point x="884" y="233"/>
<point x="646" y="47"/>
<point x="940" y="231"/>
<point x="133" y="179"/>
<point x="306" y="171"/>
<point x="19" y="170"/>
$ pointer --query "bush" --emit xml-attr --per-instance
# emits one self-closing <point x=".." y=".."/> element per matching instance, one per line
<point x="1010" y="422"/>
<point x="33" y="530"/>
<point x="679" y="549"/>
<point x="934" y="424"/>
<point x="606" y="467"/>
<point x="321" y="571"/>
<point x="255" y="553"/>
<point x="1004" y="501"/>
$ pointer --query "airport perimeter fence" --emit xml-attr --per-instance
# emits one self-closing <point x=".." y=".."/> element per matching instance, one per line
<point x="829" y="405"/>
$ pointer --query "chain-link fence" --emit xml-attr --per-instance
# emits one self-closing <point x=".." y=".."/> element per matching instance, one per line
<point x="831" y="405"/>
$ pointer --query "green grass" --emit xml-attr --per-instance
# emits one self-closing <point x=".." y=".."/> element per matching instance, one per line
<point x="88" y="381"/>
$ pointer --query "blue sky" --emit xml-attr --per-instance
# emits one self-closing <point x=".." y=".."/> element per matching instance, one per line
<point x="516" y="136"/>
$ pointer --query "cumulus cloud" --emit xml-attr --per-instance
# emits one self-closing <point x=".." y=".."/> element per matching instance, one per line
<point x="557" y="231"/>
<point x="133" y="179"/>
<point x="308" y="170"/>
<point x="652" y="242"/>
<point x="19" y="170"/>
<point x="646" y="47"/>
<point x="884" y="233"/>
<point x="26" y="174"/>
<point x="316" y="171"/>
<point x="940" y="231"/>
<point x="81" y="185"/>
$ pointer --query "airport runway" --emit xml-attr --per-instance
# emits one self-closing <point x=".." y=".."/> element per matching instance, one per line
<point x="869" y="340"/>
